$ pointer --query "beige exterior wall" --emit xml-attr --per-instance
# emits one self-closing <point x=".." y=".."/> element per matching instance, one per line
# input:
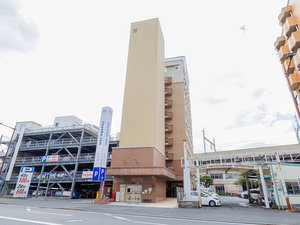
<point x="143" y="105"/>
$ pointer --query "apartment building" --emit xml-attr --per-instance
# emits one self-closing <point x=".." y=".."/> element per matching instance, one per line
<point x="62" y="156"/>
<point x="178" y="121"/>
<point x="287" y="43"/>
<point x="156" y="119"/>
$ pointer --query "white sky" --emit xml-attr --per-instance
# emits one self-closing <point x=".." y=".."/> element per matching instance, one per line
<point x="69" y="58"/>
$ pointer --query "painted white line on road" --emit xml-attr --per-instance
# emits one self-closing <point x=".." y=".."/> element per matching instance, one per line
<point x="198" y="220"/>
<point x="139" y="222"/>
<point x="74" y="221"/>
<point x="57" y="214"/>
<point x="121" y="218"/>
<point x="28" y="221"/>
<point x="149" y="223"/>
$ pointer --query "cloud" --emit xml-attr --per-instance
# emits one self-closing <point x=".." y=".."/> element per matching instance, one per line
<point x="250" y="117"/>
<point x="258" y="93"/>
<point x="281" y="117"/>
<point x="216" y="100"/>
<point x="17" y="33"/>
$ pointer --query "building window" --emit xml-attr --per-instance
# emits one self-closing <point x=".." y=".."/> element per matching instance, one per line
<point x="232" y="176"/>
<point x="135" y="30"/>
<point x="292" y="188"/>
<point x="220" y="189"/>
<point x="216" y="176"/>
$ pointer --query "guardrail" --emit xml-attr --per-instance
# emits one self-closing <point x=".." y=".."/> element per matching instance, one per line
<point x="57" y="177"/>
<point x="64" y="141"/>
<point x="89" y="157"/>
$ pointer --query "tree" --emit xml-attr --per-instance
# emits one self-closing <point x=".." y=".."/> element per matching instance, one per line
<point x="242" y="181"/>
<point x="206" y="180"/>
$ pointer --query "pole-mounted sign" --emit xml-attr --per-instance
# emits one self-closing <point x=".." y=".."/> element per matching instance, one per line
<point x="23" y="183"/>
<point x="102" y="145"/>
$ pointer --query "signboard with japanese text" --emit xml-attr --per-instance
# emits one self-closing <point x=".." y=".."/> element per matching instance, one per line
<point x="52" y="158"/>
<point x="87" y="175"/>
<point x="102" y="144"/>
<point x="23" y="183"/>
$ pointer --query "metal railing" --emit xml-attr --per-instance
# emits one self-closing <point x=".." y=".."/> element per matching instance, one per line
<point x="57" y="176"/>
<point x="60" y="158"/>
<point x="64" y="141"/>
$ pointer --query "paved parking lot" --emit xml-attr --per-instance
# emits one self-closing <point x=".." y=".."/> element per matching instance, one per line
<point x="82" y="211"/>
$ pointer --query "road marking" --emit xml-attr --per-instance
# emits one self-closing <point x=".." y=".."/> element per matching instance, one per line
<point x="74" y="221"/>
<point x="149" y="223"/>
<point x="28" y="221"/>
<point x="121" y="218"/>
<point x="58" y="214"/>
<point x="140" y="222"/>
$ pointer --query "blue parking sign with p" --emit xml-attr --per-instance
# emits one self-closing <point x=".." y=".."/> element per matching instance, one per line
<point x="102" y="174"/>
<point x="96" y="173"/>
<point x="44" y="158"/>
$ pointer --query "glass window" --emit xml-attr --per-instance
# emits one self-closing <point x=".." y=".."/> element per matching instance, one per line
<point x="232" y="175"/>
<point x="296" y="187"/>
<point x="292" y="188"/>
<point x="220" y="189"/>
<point x="216" y="176"/>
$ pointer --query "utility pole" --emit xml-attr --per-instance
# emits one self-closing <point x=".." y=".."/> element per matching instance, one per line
<point x="296" y="128"/>
<point x="212" y="143"/>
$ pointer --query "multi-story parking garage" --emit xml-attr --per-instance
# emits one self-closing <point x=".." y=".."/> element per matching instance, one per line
<point x="62" y="157"/>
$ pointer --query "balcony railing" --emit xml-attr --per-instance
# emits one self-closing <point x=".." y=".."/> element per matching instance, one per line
<point x="297" y="60"/>
<point x="168" y="115"/>
<point x="280" y="41"/>
<point x="282" y="53"/>
<point x="168" y="102"/>
<point x="169" y="155"/>
<point x="285" y="13"/>
<point x="168" y="141"/>
<point x="290" y="26"/>
<point x="294" y="41"/>
<point x="168" y="91"/>
<point x="168" y="80"/>
<point x="294" y="80"/>
<point x="168" y="128"/>
<point x="288" y="69"/>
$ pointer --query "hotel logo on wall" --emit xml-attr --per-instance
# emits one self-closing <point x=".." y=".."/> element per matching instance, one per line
<point x="102" y="144"/>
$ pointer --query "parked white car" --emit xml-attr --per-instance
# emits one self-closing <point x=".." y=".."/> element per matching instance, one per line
<point x="206" y="199"/>
<point x="210" y="192"/>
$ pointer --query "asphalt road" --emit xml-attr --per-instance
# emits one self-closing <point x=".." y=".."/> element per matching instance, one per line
<point x="54" y="212"/>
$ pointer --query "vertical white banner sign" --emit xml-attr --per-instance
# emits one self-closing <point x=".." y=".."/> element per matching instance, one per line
<point x="102" y="144"/>
<point x="23" y="183"/>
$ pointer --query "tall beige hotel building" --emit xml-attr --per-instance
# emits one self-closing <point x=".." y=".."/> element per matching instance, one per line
<point x="156" y="120"/>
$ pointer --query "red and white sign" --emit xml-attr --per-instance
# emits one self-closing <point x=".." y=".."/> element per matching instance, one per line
<point x="87" y="175"/>
<point x="23" y="183"/>
<point x="52" y="158"/>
